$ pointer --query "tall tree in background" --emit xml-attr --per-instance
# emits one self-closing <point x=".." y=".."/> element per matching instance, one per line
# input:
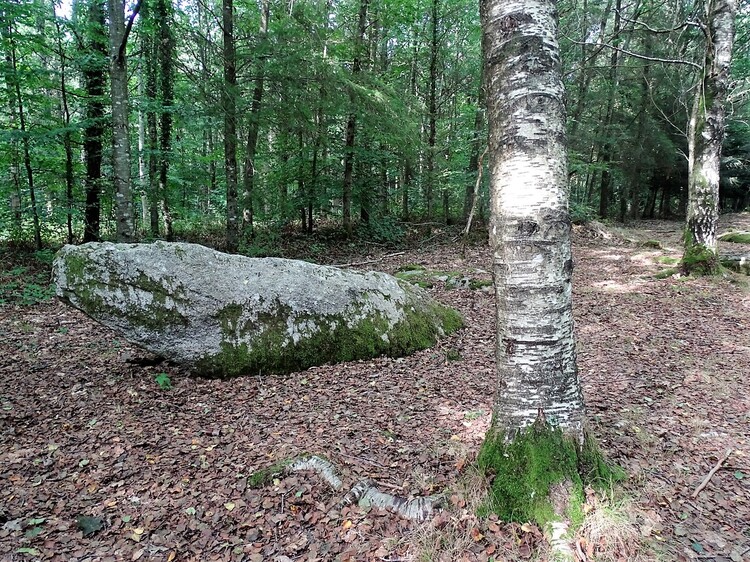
<point x="93" y="62"/>
<point x="119" y="32"/>
<point x="229" y="106"/>
<point x="351" y="123"/>
<point x="13" y="78"/>
<point x="705" y="138"/>
<point x="432" y="109"/>
<point x="67" y="132"/>
<point x="530" y="235"/>
<point x="165" y="50"/>
<point x="254" y="126"/>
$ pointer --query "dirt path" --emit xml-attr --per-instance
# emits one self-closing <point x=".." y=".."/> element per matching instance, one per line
<point x="86" y="431"/>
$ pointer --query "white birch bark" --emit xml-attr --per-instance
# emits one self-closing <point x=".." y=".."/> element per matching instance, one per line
<point x="530" y="226"/>
<point x="706" y="130"/>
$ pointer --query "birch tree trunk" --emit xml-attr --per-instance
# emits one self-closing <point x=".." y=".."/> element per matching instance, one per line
<point x="705" y="137"/>
<point x="530" y="225"/>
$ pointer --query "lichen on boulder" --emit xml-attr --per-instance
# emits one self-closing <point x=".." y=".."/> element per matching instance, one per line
<point x="229" y="315"/>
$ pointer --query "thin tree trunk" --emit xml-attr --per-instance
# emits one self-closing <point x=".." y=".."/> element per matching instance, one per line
<point x="476" y="148"/>
<point x="25" y="142"/>
<point x="705" y="137"/>
<point x="432" y="109"/>
<point x="118" y="40"/>
<point x="67" y="140"/>
<point x="252" y="129"/>
<point x="151" y="60"/>
<point x="605" y="187"/>
<point x="351" y="123"/>
<point x="94" y="65"/>
<point x="229" y="104"/>
<point x="165" y="50"/>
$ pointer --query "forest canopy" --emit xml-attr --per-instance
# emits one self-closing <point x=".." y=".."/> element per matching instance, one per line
<point x="239" y="119"/>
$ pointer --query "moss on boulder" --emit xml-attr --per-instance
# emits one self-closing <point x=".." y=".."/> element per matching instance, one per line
<point x="226" y="315"/>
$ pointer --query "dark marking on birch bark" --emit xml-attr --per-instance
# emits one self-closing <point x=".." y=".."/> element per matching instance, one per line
<point x="527" y="228"/>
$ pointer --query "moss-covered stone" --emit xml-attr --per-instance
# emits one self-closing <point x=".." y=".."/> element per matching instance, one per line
<point x="537" y="461"/>
<point x="275" y="352"/>
<point x="224" y="315"/>
<point x="736" y="237"/>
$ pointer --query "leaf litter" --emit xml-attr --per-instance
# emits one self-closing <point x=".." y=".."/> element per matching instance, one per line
<point x="663" y="362"/>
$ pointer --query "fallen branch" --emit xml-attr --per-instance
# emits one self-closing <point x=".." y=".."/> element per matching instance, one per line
<point x="355" y="264"/>
<point x="708" y="477"/>
<point x="367" y="494"/>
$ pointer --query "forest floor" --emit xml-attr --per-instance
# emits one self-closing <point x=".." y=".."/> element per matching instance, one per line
<point x="86" y="431"/>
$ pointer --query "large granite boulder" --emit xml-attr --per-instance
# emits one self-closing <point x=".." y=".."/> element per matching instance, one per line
<point x="227" y="315"/>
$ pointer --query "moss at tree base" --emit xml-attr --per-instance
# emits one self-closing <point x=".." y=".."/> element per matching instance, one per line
<point x="535" y="466"/>
<point x="700" y="260"/>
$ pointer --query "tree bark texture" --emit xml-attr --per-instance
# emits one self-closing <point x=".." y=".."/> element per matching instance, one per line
<point x="229" y="105"/>
<point x="706" y="132"/>
<point x="530" y="226"/>
<point x="118" y="38"/>
<point x="95" y="58"/>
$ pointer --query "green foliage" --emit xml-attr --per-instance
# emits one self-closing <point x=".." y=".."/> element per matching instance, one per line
<point x="581" y="213"/>
<point x="410" y="267"/>
<point x="668" y="260"/>
<point x="384" y="230"/>
<point x="163" y="380"/>
<point x="89" y="525"/>
<point x="27" y="285"/>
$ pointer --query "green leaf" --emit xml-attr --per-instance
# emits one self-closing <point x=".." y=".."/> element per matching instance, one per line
<point x="190" y="511"/>
<point x="83" y="463"/>
<point x="36" y="521"/>
<point x="32" y="551"/>
<point x="697" y="547"/>
<point x="89" y="525"/>
<point x="739" y="475"/>
<point x="33" y="532"/>
<point x="126" y="518"/>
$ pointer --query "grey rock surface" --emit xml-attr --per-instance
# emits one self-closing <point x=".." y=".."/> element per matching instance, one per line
<point x="228" y="315"/>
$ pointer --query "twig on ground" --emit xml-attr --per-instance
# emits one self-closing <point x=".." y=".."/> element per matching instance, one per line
<point x="579" y="552"/>
<point x="708" y="477"/>
<point x="354" y="264"/>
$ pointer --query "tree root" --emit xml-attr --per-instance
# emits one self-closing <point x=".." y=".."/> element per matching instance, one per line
<point x="367" y="494"/>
